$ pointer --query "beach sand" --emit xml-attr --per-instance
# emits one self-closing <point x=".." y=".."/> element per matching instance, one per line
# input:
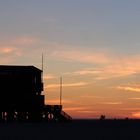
<point x="75" y="130"/>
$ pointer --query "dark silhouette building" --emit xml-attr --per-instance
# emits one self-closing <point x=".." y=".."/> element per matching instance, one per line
<point x="20" y="96"/>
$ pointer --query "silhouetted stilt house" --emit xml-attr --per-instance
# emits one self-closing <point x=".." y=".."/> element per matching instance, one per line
<point x="20" y="96"/>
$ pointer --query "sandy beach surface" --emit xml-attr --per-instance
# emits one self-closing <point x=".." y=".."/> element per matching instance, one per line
<point x="75" y="130"/>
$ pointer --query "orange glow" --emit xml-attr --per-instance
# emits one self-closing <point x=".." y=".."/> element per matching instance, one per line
<point x="67" y="85"/>
<point x="48" y="77"/>
<point x="56" y="101"/>
<point x="7" y="49"/>
<point x="112" y="103"/>
<point x="96" y="51"/>
<point x="134" y="89"/>
<point x="87" y="86"/>
<point x="136" y="114"/>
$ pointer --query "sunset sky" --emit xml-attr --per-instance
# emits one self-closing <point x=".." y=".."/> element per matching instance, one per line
<point x="93" y="44"/>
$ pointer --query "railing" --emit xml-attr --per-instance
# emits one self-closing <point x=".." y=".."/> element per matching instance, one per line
<point x="66" y="115"/>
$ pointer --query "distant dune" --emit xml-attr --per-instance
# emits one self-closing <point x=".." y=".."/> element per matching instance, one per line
<point x="76" y="130"/>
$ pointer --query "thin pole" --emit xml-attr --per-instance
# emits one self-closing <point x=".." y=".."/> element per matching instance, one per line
<point x="42" y="71"/>
<point x="42" y="62"/>
<point x="60" y="90"/>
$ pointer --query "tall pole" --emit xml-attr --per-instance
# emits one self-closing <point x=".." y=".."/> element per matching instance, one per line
<point x="42" y="62"/>
<point x="60" y="90"/>
<point x="42" y="72"/>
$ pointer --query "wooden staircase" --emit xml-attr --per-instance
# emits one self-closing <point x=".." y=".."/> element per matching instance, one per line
<point x="55" y="113"/>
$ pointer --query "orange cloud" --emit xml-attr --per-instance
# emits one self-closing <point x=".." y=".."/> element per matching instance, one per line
<point x="130" y="109"/>
<point x="111" y="103"/>
<point x="108" y="71"/>
<point x="89" y="97"/>
<point x="5" y="50"/>
<point x="56" y="101"/>
<point x="136" y="114"/>
<point x="85" y="72"/>
<point x="13" y="47"/>
<point x="75" y="108"/>
<point x="84" y="55"/>
<point x="8" y="54"/>
<point x="48" y="76"/>
<point x="67" y="85"/>
<point x="88" y="111"/>
<point x="126" y="88"/>
<point x="108" y="65"/>
<point x="134" y="98"/>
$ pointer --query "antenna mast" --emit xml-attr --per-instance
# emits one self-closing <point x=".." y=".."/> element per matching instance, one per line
<point x="42" y="62"/>
<point x="60" y="90"/>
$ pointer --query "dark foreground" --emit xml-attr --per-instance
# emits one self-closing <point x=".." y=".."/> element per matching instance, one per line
<point x="76" y="130"/>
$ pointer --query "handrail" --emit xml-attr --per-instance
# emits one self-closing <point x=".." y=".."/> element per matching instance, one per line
<point x="66" y="115"/>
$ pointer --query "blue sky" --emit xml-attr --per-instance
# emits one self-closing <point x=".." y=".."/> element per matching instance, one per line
<point x="106" y="24"/>
<point x="93" y="44"/>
